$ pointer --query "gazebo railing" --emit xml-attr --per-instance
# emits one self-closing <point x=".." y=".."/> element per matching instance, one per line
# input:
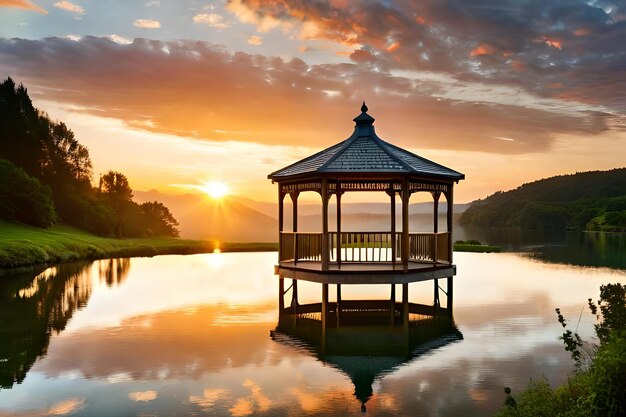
<point x="300" y="246"/>
<point x="365" y="247"/>
<point x="429" y="247"/>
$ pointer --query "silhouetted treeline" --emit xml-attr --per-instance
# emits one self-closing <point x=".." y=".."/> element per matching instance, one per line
<point x="593" y="200"/>
<point x="45" y="177"/>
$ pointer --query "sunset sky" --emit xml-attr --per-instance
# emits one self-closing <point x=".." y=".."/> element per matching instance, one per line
<point x="174" y="93"/>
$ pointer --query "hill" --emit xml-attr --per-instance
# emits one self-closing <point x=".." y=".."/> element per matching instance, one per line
<point x="226" y="219"/>
<point x="594" y="200"/>
<point x="240" y="219"/>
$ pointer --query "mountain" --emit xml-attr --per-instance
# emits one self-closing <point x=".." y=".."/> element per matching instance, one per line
<point x="240" y="219"/>
<point x="594" y="200"/>
<point x="226" y="219"/>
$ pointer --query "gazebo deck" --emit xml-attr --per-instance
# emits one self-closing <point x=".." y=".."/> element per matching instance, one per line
<point x="364" y="273"/>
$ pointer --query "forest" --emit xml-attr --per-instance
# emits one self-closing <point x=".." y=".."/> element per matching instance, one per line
<point x="593" y="201"/>
<point x="46" y="178"/>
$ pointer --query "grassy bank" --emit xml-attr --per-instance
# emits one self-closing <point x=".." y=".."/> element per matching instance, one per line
<point x="22" y="245"/>
<point x="474" y="246"/>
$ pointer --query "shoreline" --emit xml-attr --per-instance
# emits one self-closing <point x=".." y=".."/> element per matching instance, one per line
<point x="25" y="247"/>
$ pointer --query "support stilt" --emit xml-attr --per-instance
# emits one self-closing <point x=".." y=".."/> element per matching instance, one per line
<point x="338" y="310"/>
<point x="324" y="315"/>
<point x="392" y="304"/>
<point x="450" y="295"/>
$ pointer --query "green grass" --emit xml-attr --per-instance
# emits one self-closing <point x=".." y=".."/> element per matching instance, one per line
<point x="22" y="245"/>
<point x="474" y="246"/>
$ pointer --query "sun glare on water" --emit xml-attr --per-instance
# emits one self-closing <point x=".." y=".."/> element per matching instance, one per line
<point x="216" y="189"/>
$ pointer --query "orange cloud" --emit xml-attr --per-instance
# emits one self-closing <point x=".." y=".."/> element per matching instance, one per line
<point x="23" y="4"/>
<point x="162" y="87"/>
<point x="483" y="49"/>
<point x="255" y="40"/>
<point x="393" y="47"/>
<point x="554" y="43"/>
<point x="582" y="32"/>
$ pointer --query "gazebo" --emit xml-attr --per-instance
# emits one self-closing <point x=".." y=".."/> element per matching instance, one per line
<point x="364" y="163"/>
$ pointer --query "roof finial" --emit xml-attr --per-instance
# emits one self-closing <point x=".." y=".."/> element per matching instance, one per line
<point x="364" y="107"/>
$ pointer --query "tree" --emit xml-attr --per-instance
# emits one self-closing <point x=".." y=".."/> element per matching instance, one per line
<point x="23" y="198"/>
<point x="158" y="219"/>
<point x="115" y="188"/>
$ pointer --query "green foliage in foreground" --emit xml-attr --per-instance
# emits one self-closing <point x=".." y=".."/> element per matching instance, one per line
<point x="22" y="245"/>
<point x="597" y="390"/>
<point x="474" y="246"/>
<point x="594" y="201"/>
<point x="23" y="198"/>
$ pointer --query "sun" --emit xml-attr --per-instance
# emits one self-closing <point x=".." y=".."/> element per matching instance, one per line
<point x="215" y="189"/>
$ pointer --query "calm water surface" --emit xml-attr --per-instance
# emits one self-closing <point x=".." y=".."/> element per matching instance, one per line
<point x="190" y="335"/>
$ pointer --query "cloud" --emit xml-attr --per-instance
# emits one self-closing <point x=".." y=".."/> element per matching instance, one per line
<point x="23" y="4"/>
<point x="209" y="92"/>
<point x="147" y="24"/>
<point x="70" y="7"/>
<point x="255" y="40"/>
<point x="211" y="19"/>
<point x="152" y="3"/>
<point x="521" y="44"/>
<point x="142" y="396"/>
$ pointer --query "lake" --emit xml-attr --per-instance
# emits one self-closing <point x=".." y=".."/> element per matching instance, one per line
<point x="195" y="335"/>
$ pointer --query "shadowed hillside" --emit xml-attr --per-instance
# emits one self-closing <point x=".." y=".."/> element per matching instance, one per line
<point x="593" y="200"/>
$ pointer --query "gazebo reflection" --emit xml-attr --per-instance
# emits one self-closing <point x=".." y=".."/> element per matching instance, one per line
<point x="366" y="352"/>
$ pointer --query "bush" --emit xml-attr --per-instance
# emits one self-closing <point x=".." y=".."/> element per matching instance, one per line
<point x="23" y="198"/>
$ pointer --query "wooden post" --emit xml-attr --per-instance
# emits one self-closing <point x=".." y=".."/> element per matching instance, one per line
<point x="338" y="195"/>
<point x="450" y="295"/>
<point x="324" y="315"/>
<point x="294" y="301"/>
<point x="405" y="223"/>
<point x="325" y="254"/>
<point x="338" y="310"/>
<point x="392" y="303"/>
<point x="392" y="195"/>
<point x="280" y="220"/>
<point x="281" y="298"/>
<point x="405" y="307"/>
<point x="435" y="251"/>
<point x="450" y="198"/>
<point x="294" y="200"/>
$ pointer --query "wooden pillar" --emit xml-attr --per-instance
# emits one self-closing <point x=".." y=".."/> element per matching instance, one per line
<point x="450" y="198"/>
<point x="392" y="304"/>
<point x="436" y="195"/>
<point x="324" y="315"/>
<point x="338" y="195"/>
<point x="294" y="200"/>
<point x="405" y="307"/>
<point x="294" y="301"/>
<point x="405" y="223"/>
<point x="280" y="220"/>
<point x="281" y="294"/>
<point x="338" y="310"/>
<point x="450" y="295"/>
<point x="392" y="195"/>
<point x="436" y="302"/>
<point x="325" y="253"/>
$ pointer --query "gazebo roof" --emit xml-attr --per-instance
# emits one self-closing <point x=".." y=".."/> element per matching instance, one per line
<point x="365" y="152"/>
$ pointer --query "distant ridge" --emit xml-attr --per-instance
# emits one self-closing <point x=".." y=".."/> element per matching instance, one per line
<point x="594" y="200"/>
<point x="240" y="219"/>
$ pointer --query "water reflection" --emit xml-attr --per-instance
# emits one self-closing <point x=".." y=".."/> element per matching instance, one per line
<point x="190" y="336"/>
<point x="33" y="308"/>
<point x="366" y="353"/>
<point x="597" y="249"/>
